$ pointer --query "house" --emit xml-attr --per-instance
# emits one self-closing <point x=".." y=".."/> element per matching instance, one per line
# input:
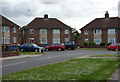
<point x="45" y="31"/>
<point x="9" y="36"/>
<point x="102" y="30"/>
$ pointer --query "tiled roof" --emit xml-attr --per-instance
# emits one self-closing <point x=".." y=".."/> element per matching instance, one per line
<point x="49" y="23"/>
<point x="103" y="23"/>
<point x="6" y="21"/>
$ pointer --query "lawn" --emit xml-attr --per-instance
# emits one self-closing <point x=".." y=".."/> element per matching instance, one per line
<point x="107" y="55"/>
<point x="91" y="49"/>
<point x="73" y="69"/>
<point x="31" y="53"/>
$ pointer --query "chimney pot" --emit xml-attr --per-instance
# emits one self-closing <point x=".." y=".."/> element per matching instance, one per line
<point x="46" y="16"/>
<point x="106" y="14"/>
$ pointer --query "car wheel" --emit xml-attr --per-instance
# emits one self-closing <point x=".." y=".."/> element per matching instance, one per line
<point x="36" y="50"/>
<point x="59" y="49"/>
<point x="116" y="49"/>
<point x="21" y="50"/>
<point x="47" y="49"/>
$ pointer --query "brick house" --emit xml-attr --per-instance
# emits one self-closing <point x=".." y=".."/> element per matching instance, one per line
<point x="9" y="36"/>
<point x="102" y="30"/>
<point x="46" y="30"/>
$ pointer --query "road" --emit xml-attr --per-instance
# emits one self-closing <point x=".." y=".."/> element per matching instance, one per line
<point x="50" y="57"/>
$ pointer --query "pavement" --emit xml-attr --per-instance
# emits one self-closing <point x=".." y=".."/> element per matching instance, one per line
<point x="115" y="76"/>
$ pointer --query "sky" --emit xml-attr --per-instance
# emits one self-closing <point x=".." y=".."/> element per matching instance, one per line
<point x="74" y="13"/>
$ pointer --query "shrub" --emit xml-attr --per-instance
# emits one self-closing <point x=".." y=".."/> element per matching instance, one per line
<point x="102" y="44"/>
<point x="93" y="44"/>
<point x="108" y="44"/>
<point x="85" y="43"/>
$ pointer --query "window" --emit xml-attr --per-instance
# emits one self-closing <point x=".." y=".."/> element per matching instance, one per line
<point x="31" y="31"/>
<point x="111" y="31"/>
<point x="43" y="31"/>
<point x="97" y="41"/>
<point x="31" y="40"/>
<point x="14" y="29"/>
<point x="66" y="39"/>
<point x="43" y="40"/>
<point x="97" y="31"/>
<point x="86" y="40"/>
<point x="86" y="32"/>
<point x="56" y="31"/>
<point x="56" y="40"/>
<point x="66" y="31"/>
<point x="14" y="39"/>
<point x="111" y="40"/>
<point x="5" y="29"/>
<point x="5" y="40"/>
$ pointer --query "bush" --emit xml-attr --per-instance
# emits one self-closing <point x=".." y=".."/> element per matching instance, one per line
<point x="108" y="44"/>
<point x="102" y="44"/>
<point x="93" y="44"/>
<point x="85" y="43"/>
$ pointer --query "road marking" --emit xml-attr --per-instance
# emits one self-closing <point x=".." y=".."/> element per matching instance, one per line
<point x="13" y="64"/>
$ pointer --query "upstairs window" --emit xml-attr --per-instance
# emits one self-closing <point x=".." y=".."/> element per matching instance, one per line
<point x="31" y="31"/>
<point x="14" y="29"/>
<point x="111" y="31"/>
<point x="86" y="32"/>
<point x="56" y="31"/>
<point x="66" y="31"/>
<point x="5" y="29"/>
<point x="14" y="39"/>
<point x="97" y="31"/>
<point x="43" y="31"/>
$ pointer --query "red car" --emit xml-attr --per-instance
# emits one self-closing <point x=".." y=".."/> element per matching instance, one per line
<point x="114" y="46"/>
<point x="56" y="46"/>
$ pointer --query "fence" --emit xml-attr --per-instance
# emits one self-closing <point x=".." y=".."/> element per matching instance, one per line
<point x="10" y="50"/>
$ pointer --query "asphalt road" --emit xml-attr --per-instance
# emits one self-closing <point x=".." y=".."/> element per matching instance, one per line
<point x="50" y="57"/>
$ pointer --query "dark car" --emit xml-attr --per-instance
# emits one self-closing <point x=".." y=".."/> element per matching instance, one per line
<point x="69" y="45"/>
<point x="30" y="47"/>
<point x="114" y="46"/>
<point x="56" y="46"/>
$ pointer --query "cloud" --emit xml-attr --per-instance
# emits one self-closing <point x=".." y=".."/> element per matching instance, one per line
<point x="75" y="13"/>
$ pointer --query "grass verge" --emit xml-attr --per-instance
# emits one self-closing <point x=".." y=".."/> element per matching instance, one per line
<point x="107" y="55"/>
<point x="31" y="53"/>
<point x="73" y="69"/>
<point x="91" y="49"/>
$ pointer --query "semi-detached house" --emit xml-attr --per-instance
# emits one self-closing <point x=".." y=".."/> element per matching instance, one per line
<point x="42" y="31"/>
<point x="102" y="30"/>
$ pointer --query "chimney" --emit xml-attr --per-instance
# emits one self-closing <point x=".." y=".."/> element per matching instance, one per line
<point x="46" y="16"/>
<point x="106" y="14"/>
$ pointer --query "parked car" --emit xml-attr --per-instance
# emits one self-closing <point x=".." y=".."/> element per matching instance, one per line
<point x="69" y="45"/>
<point x="55" y="46"/>
<point x="31" y="47"/>
<point x="114" y="46"/>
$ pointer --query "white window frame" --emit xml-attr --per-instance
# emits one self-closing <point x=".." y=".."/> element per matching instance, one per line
<point x="43" y="40"/>
<point x="56" y="31"/>
<point x="97" y="40"/>
<point x="31" y="31"/>
<point x="5" y="40"/>
<point x="86" y="32"/>
<point x="14" y="40"/>
<point x="31" y="39"/>
<point x="111" y="31"/>
<point x="111" y="40"/>
<point x="87" y="40"/>
<point x="67" y="40"/>
<point x="97" y="31"/>
<point x="14" y="29"/>
<point x="56" y="40"/>
<point x="43" y="31"/>
<point x="5" y="29"/>
<point x="66" y="31"/>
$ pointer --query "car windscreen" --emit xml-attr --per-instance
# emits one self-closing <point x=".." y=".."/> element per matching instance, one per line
<point x="35" y="45"/>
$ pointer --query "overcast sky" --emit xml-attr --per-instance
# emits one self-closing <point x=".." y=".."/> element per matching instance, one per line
<point x="74" y="13"/>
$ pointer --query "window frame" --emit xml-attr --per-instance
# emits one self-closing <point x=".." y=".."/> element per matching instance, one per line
<point x="97" y="31"/>
<point x="44" y="41"/>
<point x="44" y="31"/>
<point x="111" y="31"/>
<point x="54" y="31"/>
<point x="66" y="31"/>
<point x="31" y="31"/>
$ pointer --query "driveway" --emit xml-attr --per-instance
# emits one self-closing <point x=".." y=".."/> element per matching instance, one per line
<point x="50" y="57"/>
